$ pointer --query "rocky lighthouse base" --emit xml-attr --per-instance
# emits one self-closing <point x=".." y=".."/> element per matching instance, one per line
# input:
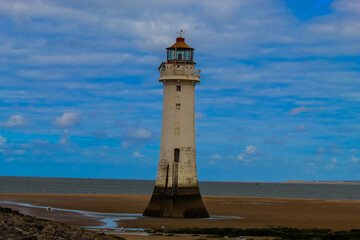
<point x="185" y="202"/>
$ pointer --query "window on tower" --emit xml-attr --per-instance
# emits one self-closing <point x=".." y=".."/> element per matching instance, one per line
<point x="171" y="54"/>
<point x="178" y="106"/>
<point x="180" y="54"/>
<point x="176" y="155"/>
<point x="178" y="88"/>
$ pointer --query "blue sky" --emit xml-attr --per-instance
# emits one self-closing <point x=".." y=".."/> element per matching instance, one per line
<point x="80" y="97"/>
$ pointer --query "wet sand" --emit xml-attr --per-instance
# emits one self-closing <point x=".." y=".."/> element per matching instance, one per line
<point x="249" y="212"/>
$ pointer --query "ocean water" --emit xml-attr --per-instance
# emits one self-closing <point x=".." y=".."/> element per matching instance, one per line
<point x="236" y="189"/>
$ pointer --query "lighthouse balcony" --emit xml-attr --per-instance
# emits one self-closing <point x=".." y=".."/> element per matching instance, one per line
<point x="192" y="73"/>
<point x="175" y="71"/>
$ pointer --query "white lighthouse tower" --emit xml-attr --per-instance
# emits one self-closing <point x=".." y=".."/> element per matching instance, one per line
<point x="176" y="192"/>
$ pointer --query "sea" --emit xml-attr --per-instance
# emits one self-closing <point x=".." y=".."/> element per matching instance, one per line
<point x="207" y="188"/>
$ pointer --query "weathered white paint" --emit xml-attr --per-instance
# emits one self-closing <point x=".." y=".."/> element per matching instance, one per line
<point x="178" y="126"/>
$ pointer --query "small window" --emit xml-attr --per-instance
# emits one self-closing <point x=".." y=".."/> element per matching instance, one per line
<point x="176" y="155"/>
<point x="178" y="88"/>
<point x="178" y="106"/>
<point x="177" y="128"/>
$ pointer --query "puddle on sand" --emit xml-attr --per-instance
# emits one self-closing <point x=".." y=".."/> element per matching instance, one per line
<point x="109" y="220"/>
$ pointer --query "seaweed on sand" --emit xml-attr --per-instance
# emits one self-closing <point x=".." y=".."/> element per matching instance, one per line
<point x="279" y="232"/>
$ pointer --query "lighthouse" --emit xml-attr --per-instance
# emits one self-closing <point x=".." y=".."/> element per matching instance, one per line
<point x="176" y="192"/>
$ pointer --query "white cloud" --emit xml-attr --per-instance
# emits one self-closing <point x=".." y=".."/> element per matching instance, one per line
<point x="88" y="59"/>
<point x="250" y="149"/>
<point x="136" y="136"/>
<point x="2" y="141"/>
<point x="354" y="159"/>
<point x="298" y="110"/>
<point x="10" y="159"/>
<point x="64" y="140"/>
<point x="68" y="120"/>
<point x="241" y="157"/>
<point x="216" y="157"/>
<point x="94" y="154"/>
<point x="332" y="164"/>
<point x="42" y="74"/>
<point x="211" y="162"/>
<point x="248" y="154"/>
<point x="125" y="144"/>
<point x="19" y="152"/>
<point x="199" y="115"/>
<point x="141" y="134"/>
<point x="244" y="157"/>
<point x="347" y="6"/>
<point x="301" y="127"/>
<point x="15" y="121"/>
<point x="138" y="155"/>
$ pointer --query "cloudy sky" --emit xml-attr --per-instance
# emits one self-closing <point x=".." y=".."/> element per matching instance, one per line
<point x="80" y="97"/>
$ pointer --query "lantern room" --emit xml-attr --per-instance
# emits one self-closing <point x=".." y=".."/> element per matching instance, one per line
<point x="180" y="52"/>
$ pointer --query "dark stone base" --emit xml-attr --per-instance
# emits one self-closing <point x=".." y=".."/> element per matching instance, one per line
<point x="184" y="203"/>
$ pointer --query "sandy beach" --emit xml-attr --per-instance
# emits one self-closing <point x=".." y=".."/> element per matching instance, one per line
<point x="240" y="212"/>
